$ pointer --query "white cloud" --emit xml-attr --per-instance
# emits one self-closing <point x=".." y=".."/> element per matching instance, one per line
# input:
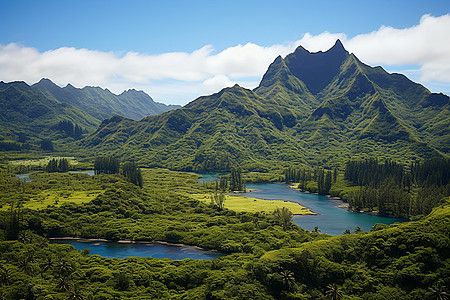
<point x="177" y="76"/>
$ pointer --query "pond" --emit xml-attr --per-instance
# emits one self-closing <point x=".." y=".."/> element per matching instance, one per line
<point x="25" y="177"/>
<point x="331" y="218"/>
<point x="124" y="250"/>
<point x="207" y="177"/>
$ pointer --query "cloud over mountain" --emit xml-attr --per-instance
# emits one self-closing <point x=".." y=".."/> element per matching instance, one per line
<point x="205" y="70"/>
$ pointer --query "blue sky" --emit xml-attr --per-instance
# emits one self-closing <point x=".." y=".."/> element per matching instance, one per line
<point x="178" y="50"/>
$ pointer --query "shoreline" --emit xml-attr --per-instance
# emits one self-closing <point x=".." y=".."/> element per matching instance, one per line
<point x="153" y="242"/>
<point x="343" y="204"/>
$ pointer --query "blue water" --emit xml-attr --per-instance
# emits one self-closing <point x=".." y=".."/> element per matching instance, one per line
<point x="124" y="250"/>
<point x="89" y="172"/>
<point x="207" y="177"/>
<point x="25" y="177"/>
<point x="331" y="219"/>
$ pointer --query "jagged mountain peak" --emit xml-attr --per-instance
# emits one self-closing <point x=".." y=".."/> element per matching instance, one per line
<point x="316" y="69"/>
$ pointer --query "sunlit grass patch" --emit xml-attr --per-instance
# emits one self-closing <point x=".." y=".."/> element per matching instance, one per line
<point x="59" y="198"/>
<point x="247" y="204"/>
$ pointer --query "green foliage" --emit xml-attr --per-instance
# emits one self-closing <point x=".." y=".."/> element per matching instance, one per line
<point x="393" y="190"/>
<point x="57" y="165"/>
<point x="132" y="172"/>
<point x="108" y="165"/>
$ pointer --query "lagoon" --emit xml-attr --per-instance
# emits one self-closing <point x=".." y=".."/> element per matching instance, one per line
<point x="124" y="250"/>
<point x="330" y="219"/>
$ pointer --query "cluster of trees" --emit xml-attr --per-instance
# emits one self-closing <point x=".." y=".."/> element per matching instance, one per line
<point x="217" y="161"/>
<point x="10" y="146"/>
<point x="111" y="165"/>
<point x="106" y="165"/>
<point x="324" y="178"/>
<point x="57" y="165"/>
<point x="132" y="172"/>
<point x="393" y="190"/>
<point x="236" y="183"/>
<point x="72" y="130"/>
<point x="370" y="172"/>
<point x="47" y="145"/>
<point x="232" y="182"/>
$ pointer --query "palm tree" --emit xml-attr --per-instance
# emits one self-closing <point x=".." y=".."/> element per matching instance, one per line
<point x="333" y="292"/>
<point x="284" y="216"/>
<point x="46" y="265"/>
<point x="439" y="292"/>
<point x="75" y="293"/>
<point x="288" y="279"/>
<point x="5" y="276"/>
<point x="25" y="264"/>
<point x="63" y="268"/>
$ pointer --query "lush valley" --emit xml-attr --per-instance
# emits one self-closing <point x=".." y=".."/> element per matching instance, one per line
<point x="323" y="122"/>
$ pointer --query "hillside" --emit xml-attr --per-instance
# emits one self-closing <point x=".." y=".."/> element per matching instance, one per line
<point x="310" y="108"/>
<point x="32" y="113"/>
<point x="28" y="115"/>
<point x="101" y="103"/>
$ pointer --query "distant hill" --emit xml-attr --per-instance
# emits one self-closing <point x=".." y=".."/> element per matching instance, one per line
<point x="32" y="113"/>
<point x="310" y="108"/>
<point x="101" y="103"/>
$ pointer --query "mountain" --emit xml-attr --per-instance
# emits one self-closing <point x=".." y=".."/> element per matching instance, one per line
<point x="29" y="114"/>
<point x="101" y="103"/>
<point x="310" y="108"/>
<point x="32" y="113"/>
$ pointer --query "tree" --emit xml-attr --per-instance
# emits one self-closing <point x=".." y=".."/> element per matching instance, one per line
<point x="284" y="216"/>
<point x="218" y="200"/>
<point x="333" y="292"/>
<point x="288" y="279"/>
<point x="236" y="179"/>
<point x="132" y="172"/>
<point x="5" y="276"/>
<point x="327" y="185"/>
<point x="438" y="292"/>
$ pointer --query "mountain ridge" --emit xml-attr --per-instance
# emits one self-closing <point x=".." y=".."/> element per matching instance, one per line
<point x="359" y="110"/>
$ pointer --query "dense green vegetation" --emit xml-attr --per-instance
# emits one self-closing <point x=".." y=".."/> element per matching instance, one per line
<point x="390" y="189"/>
<point x="271" y="257"/>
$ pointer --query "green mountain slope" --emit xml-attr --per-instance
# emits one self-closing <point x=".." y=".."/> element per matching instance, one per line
<point x="101" y="103"/>
<point x="314" y="108"/>
<point x="29" y="114"/>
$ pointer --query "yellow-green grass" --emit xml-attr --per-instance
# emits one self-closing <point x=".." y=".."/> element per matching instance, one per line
<point x="247" y="204"/>
<point x="58" y="198"/>
<point x="43" y="161"/>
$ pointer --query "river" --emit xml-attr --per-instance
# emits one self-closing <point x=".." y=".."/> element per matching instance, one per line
<point x="331" y="218"/>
